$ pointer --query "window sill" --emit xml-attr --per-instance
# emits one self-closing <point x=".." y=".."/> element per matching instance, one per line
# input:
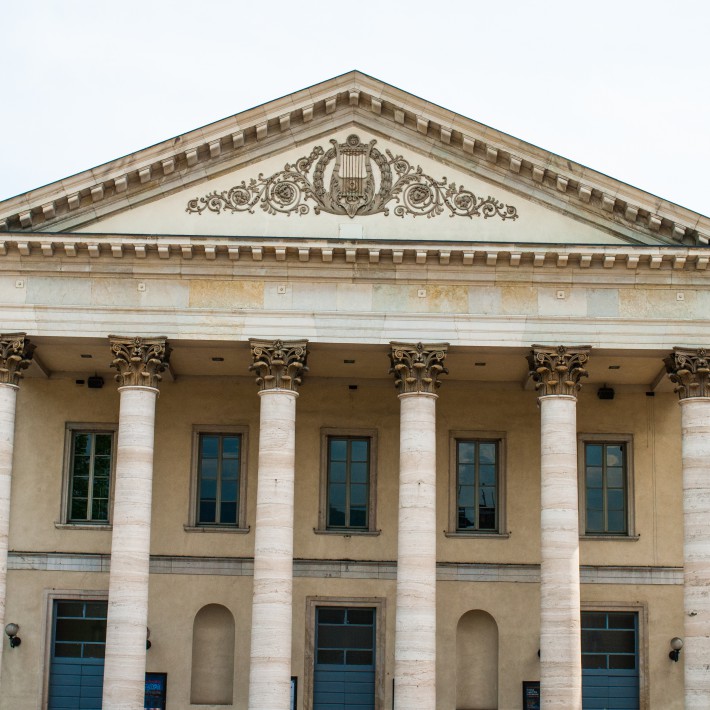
<point x="83" y="526"/>
<point x="478" y="535"/>
<point x="348" y="533"/>
<point x="622" y="538"/>
<point x="215" y="529"/>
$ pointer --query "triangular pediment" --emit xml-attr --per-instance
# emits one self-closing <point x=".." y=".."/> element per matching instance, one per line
<point x="353" y="158"/>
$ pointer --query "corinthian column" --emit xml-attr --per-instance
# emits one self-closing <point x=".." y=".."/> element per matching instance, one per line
<point x="15" y="356"/>
<point x="139" y="362"/>
<point x="416" y="369"/>
<point x="279" y="367"/>
<point x="557" y="372"/>
<point x="689" y="370"/>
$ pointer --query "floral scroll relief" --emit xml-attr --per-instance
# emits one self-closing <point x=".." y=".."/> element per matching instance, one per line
<point x="362" y="181"/>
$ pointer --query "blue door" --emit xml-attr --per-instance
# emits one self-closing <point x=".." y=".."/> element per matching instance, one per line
<point x="76" y="674"/>
<point x="344" y="674"/>
<point x="610" y="660"/>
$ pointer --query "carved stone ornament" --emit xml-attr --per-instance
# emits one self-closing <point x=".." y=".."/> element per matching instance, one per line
<point x="361" y="181"/>
<point x="416" y="367"/>
<point x="689" y="369"/>
<point x="279" y="364"/>
<point x="15" y="355"/>
<point x="558" y="370"/>
<point x="139" y="361"/>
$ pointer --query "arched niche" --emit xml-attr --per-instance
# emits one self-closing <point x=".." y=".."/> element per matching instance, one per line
<point x="212" y="680"/>
<point x="476" y="662"/>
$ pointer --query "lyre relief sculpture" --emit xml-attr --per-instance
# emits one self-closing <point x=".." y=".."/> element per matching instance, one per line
<point x="362" y="181"/>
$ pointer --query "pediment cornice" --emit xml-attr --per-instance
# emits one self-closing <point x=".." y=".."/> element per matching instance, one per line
<point x="84" y="198"/>
<point x="160" y="254"/>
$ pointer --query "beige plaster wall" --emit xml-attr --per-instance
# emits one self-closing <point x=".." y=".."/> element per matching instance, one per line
<point x="176" y="599"/>
<point x="652" y="421"/>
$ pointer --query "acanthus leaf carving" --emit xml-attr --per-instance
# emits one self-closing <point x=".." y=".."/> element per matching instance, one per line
<point x="279" y="364"/>
<point x="363" y="181"/>
<point x="139" y="361"/>
<point x="558" y="370"/>
<point x="417" y="366"/>
<point x="689" y="370"/>
<point x="15" y="355"/>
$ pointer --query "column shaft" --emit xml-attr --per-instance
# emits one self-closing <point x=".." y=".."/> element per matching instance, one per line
<point x="8" y="398"/>
<point x="695" y="422"/>
<point x="415" y="640"/>
<point x="270" y="671"/>
<point x="124" y="670"/>
<point x="560" y="636"/>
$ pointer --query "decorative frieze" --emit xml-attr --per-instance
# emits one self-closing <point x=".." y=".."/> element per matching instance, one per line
<point x="558" y="370"/>
<point x="416" y="367"/>
<point x="362" y="181"/>
<point x="688" y="369"/>
<point x="139" y="361"/>
<point x="15" y="355"/>
<point x="279" y="364"/>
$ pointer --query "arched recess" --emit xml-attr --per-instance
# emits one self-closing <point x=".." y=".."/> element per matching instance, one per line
<point x="477" y="662"/>
<point x="212" y="656"/>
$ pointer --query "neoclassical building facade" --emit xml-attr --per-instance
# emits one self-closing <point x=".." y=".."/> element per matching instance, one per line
<point x="348" y="401"/>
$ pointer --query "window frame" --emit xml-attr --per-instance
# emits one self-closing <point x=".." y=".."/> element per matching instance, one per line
<point x="193" y="525"/>
<point x="498" y="437"/>
<point x="371" y="529"/>
<point x="627" y="441"/>
<point x="71" y="429"/>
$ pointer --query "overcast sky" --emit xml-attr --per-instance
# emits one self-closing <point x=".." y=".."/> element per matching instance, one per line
<point x="622" y="87"/>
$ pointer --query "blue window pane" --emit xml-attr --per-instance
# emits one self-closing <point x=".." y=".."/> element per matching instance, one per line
<point x="595" y="499"/>
<point x="230" y="469"/>
<point x="594" y="454"/>
<point x="467" y="496"/>
<point x="338" y="449"/>
<point x="358" y="516"/>
<point x="595" y="520"/>
<point x="229" y="491"/>
<point x="103" y="444"/>
<point x="467" y="451"/>
<point x="617" y="521"/>
<point x="487" y="475"/>
<point x="358" y="473"/>
<point x="594" y="477"/>
<point x="615" y="477"/>
<point x="614" y="454"/>
<point x="208" y="489"/>
<point x="210" y="446"/>
<point x="615" y="500"/>
<point x="228" y="513"/>
<point x="208" y="511"/>
<point x="467" y="475"/>
<point x="466" y="518"/>
<point x="358" y="495"/>
<point x="337" y="472"/>
<point x="487" y="497"/>
<point x="230" y="446"/>
<point x="487" y="453"/>
<point x="359" y="450"/>
<point x="208" y="469"/>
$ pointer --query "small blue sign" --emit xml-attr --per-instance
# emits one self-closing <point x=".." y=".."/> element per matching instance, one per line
<point x="155" y="691"/>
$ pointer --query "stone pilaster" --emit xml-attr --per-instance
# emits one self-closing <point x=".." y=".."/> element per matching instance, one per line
<point x="416" y="369"/>
<point x="557" y="372"/>
<point x="139" y="362"/>
<point x="15" y="355"/>
<point x="279" y="366"/>
<point x="689" y="370"/>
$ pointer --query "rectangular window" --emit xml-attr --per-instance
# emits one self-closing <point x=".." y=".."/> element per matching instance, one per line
<point x="90" y="473"/>
<point x="348" y="482"/>
<point x="477" y="485"/>
<point x="606" y="487"/>
<point x="219" y="474"/>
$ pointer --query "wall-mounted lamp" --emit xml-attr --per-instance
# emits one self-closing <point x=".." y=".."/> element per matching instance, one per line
<point x="605" y="392"/>
<point x="11" y="632"/>
<point x="148" y="644"/>
<point x="676" y="645"/>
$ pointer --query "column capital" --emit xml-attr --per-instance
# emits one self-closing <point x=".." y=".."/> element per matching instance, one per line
<point x="558" y="369"/>
<point x="279" y="364"/>
<point x="139" y="361"/>
<point x="689" y="369"/>
<point x="15" y="355"/>
<point x="416" y="366"/>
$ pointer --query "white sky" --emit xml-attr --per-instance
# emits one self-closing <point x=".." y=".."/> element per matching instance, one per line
<point x="622" y="87"/>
